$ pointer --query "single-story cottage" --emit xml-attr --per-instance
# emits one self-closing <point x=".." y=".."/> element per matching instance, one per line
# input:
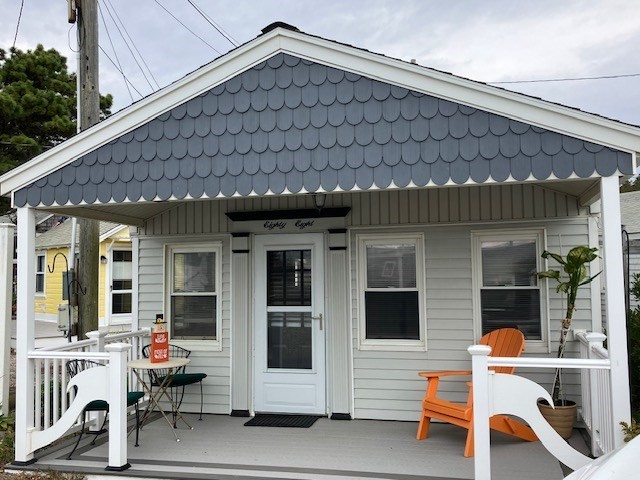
<point x="318" y="223"/>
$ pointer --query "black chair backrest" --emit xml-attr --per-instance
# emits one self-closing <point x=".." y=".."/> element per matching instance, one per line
<point x="76" y="366"/>
<point x="174" y="352"/>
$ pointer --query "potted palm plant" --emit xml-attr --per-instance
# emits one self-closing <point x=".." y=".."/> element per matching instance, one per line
<point x="572" y="276"/>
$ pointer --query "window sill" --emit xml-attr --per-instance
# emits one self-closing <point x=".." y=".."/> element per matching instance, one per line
<point x="537" y="347"/>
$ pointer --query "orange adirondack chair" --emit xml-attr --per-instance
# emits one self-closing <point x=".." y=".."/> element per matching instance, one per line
<point x="505" y="342"/>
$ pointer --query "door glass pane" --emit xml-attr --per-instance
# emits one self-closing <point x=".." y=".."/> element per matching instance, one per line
<point x="121" y="303"/>
<point x="289" y="340"/>
<point x="289" y="277"/>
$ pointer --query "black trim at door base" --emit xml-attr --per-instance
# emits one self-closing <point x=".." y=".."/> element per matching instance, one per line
<point x="240" y="413"/>
<point x="340" y="416"/>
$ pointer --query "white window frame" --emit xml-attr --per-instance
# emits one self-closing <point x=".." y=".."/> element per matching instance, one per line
<point x="212" y="247"/>
<point x="42" y="293"/>
<point x="362" y="241"/>
<point x="117" y="318"/>
<point x="537" y="234"/>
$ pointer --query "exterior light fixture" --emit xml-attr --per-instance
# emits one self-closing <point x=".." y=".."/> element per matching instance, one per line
<point x="319" y="200"/>
<point x="103" y="259"/>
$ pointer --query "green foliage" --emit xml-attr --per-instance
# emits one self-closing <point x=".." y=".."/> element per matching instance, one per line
<point x="630" y="431"/>
<point x="632" y="185"/>
<point x="633" y="340"/>
<point x="572" y="276"/>
<point x="37" y="104"/>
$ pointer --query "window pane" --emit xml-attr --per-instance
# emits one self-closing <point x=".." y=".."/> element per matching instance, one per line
<point x="289" y="340"/>
<point x="40" y="263"/>
<point x="121" y="303"/>
<point x="122" y="284"/>
<point x="121" y="265"/>
<point x="509" y="263"/>
<point x="392" y="315"/>
<point x="391" y="266"/>
<point x="193" y="317"/>
<point x="512" y="308"/>
<point x="194" y="272"/>
<point x="289" y="277"/>
<point x="39" y="282"/>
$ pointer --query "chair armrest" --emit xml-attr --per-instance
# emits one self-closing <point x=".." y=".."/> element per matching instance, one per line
<point x="444" y="373"/>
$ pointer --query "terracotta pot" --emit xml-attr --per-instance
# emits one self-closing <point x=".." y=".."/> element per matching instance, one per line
<point x="561" y="418"/>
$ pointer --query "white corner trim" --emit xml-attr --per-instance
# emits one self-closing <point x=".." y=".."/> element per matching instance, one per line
<point x="530" y="110"/>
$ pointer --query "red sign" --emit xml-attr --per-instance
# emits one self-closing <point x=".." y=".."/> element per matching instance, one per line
<point x="159" y="347"/>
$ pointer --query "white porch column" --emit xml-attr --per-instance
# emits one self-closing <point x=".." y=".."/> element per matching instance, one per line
<point x="7" y="231"/>
<point x="240" y="328"/>
<point x="481" y="414"/>
<point x="25" y="319"/>
<point x="615" y="306"/>
<point x="117" y="406"/>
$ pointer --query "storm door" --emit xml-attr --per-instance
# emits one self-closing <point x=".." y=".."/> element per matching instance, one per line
<point x="289" y="330"/>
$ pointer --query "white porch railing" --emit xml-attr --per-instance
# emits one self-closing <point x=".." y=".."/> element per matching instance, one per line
<point x="514" y="395"/>
<point x="597" y="410"/>
<point x="53" y="398"/>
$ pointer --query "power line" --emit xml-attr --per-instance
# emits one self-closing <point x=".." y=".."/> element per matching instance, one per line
<point x="106" y="6"/>
<point x="15" y="37"/>
<point x="134" y="44"/>
<point x="220" y="30"/>
<point x="115" y="53"/>
<point x="194" y="33"/>
<point x="574" y="79"/>
<point x="118" y="69"/>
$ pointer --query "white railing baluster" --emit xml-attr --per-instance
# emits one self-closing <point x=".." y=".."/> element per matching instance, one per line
<point x="50" y="380"/>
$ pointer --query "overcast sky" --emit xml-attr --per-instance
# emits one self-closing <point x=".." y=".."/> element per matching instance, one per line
<point x="491" y="40"/>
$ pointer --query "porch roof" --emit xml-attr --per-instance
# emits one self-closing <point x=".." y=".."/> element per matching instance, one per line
<point x="292" y="113"/>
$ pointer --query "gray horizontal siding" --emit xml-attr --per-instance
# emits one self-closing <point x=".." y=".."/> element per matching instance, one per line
<point x="151" y="300"/>
<point x="386" y="384"/>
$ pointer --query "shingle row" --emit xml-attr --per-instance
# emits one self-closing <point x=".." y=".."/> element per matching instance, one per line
<point x="292" y="124"/>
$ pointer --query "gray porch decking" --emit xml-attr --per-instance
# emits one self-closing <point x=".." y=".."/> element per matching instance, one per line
<point x="221" y="447"/>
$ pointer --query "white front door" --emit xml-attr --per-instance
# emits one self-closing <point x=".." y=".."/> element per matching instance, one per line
<point x="289" y="330"/>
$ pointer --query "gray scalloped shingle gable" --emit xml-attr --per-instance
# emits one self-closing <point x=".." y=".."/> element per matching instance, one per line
<point x="293" y="124"/>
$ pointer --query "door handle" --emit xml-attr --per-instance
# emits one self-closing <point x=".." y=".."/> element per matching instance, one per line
<point x="319" y="317"/>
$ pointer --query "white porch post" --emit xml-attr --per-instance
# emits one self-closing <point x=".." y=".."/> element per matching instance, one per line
<point x="117" y="406"/>
<point x="615" y="305"/>
<point x="6" y="275"/>
<point x="25" y="319"/>
<point x="481" y="414"/>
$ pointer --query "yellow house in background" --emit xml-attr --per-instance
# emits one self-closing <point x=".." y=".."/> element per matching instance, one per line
<point x="115" y="283"/>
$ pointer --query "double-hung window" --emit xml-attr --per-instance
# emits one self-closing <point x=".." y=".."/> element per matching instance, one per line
<point x="40" y="273"/>
<point x="194" y="292"/>
<point x="508" y="293"/>
<point x="391" y="279"/>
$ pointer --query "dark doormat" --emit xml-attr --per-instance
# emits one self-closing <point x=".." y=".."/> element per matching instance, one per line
<point x="295" y="421"/>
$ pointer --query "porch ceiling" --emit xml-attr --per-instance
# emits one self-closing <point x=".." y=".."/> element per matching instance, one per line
<point x="136" y="213"/>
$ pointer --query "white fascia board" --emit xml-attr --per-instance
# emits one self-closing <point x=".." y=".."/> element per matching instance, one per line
<point x="111" y="232"/>
<point x="520" y="107"/>
<point x="558" y="118"/>
<point x="141" y="112"/>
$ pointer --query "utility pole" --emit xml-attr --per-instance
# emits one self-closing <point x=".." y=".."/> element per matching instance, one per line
<point x="86" y="13"/>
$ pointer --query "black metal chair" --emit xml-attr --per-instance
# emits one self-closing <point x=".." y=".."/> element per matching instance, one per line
<point x="179" y="379"/>
<point x="76" y="366"/>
